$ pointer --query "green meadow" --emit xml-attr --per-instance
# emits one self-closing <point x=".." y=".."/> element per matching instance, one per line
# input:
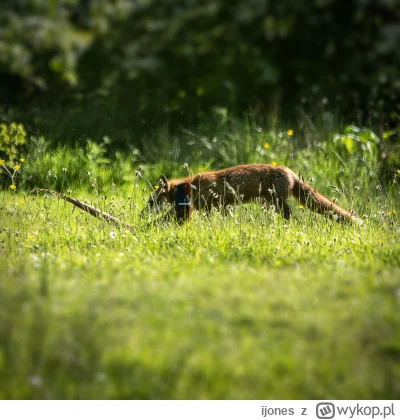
<point x="239" y="304"/>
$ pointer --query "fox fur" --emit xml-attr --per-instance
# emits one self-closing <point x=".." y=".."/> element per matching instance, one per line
<point x="245" y="183"/>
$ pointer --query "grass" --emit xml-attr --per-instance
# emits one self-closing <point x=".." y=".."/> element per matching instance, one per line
<point x="245" y="305"/>
<point x="234" y="307"/>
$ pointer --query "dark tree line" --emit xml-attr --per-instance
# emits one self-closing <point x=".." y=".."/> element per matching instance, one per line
<point x="158" y="57"/>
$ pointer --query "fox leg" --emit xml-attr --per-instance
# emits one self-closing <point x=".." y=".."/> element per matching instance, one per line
<point x="286" y="211"/>
<point x="279" y="202"/>
<point x="282" y="207"/>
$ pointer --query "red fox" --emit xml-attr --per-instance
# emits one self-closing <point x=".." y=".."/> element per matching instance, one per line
<point x="244" y="183"/>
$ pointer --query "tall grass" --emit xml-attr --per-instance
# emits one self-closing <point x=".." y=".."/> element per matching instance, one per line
<point x="345" y="157"/>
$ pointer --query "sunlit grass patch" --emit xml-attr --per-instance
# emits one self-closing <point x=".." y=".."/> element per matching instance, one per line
<point x="194" y="311"/>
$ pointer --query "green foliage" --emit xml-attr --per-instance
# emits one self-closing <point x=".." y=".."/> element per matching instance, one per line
<point x="80" y="167"/>
<point x="188" y="56"/>
<point x="12" y="136"/>
<point x="361" y="140"/>
<point x="40" y="43"/>
<point x="180" y="58"/>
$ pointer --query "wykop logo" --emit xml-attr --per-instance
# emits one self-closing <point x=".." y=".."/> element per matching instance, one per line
<point x="325" y="410"/>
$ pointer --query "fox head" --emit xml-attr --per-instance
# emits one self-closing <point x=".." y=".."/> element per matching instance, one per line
<point x="183" y="205"/>
<point x="182" y="193"/>
<point x="163" y="194"/>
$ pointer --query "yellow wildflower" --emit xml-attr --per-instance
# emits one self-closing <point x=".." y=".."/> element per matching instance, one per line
<point x="13" y="187"/>
<point x="273" y="163"/>
<point x="290" y="132"/>
<point x="17" y="167"/>
<point x="301" y="206"/>
<point x="266" y="146"/>
<point x="22" y="160"/>
<point x="1" y="161"/>
<point x="398" y="170"/>
<point x="156" y="187"/>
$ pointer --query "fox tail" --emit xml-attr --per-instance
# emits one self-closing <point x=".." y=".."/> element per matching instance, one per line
<point x="317" y="202"/>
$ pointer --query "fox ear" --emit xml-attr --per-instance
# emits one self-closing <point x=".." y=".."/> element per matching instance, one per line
<point x="163" y="183"/>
